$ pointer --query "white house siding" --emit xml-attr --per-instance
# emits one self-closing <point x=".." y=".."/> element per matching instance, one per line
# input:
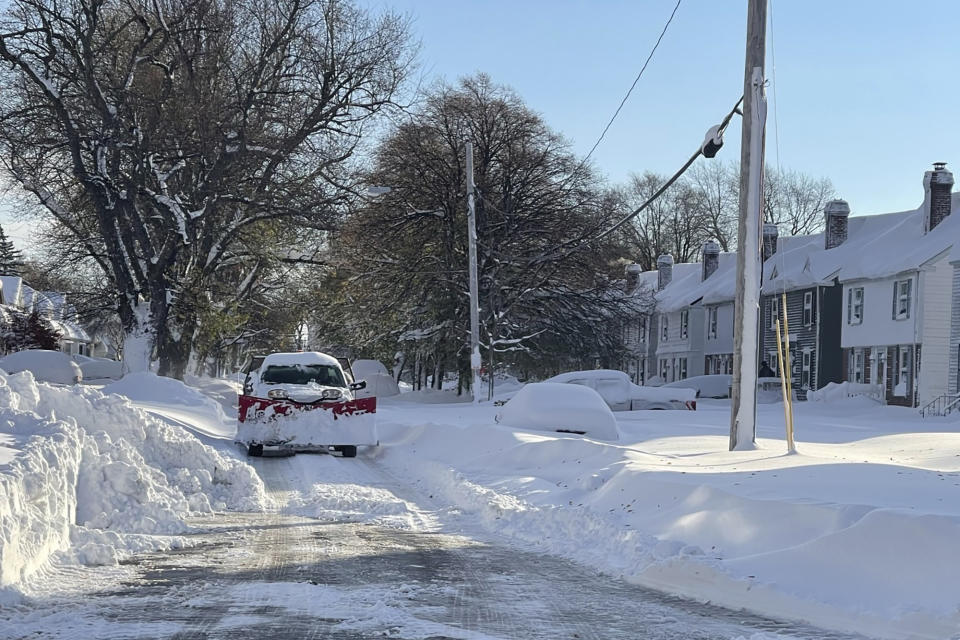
<point x="878" y="326"/>
<point x="884" y="344"/>
<point x="955" y="332"/>
<point x="678" y="357"/>
<point x="935" y="287"/>
<point x="718" y="351"/>
<point x="636" y="336"/>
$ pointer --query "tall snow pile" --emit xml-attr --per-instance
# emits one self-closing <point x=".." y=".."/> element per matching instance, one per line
<point x="95" y="478"/>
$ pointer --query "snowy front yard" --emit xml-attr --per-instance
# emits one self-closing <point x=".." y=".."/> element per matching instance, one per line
<point x="856" y="532"/>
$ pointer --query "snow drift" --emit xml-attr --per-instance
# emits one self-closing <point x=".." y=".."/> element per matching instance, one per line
<point x="91" y="477"/>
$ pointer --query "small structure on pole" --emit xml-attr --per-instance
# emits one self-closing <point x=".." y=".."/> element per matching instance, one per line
<point x="743" y="394"/>
<point x="475" y="361"/>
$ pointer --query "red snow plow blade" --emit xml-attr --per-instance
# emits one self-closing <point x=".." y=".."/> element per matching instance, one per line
<point x="253" y="409"/>
<point x="295" y="426"/>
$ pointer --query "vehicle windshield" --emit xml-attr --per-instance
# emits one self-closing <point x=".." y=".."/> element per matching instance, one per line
<point x="322" y="374"/>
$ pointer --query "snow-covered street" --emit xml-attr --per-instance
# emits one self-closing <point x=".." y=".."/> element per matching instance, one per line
<point x="373" y="564"/>
<point x="136" y="515"/>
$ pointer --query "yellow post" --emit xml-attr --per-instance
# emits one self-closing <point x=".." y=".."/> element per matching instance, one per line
<point x="787" y="366"/>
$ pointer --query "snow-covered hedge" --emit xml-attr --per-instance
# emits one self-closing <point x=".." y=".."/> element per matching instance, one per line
<point x="92" y="476"/>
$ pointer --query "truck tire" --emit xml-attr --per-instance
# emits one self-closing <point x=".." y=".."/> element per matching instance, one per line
<point x="255" y="450"/>
<point x="348" y="451"/>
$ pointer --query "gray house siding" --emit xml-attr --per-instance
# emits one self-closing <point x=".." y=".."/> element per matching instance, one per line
<point x="815" y="354"/>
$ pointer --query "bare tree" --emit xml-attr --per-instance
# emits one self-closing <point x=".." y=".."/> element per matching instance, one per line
<point x="164" y="134"/>
<point x="794" y="201"/>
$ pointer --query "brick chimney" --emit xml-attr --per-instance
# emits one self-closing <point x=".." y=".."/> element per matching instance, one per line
<point x="632" y="273"/>
<point x="711" y="258"/>
<point x="665" y="269"/>
<point x="770" y="234"/>
<point x="937" y="185"/>
<point x="836" y="213"/>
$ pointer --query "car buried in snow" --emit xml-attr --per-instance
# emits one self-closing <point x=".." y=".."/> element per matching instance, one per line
<point x="620" y="394"/>
<point x="303" y="401"/>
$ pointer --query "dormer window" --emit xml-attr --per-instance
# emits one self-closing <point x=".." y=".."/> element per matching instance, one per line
<point x="664" y="327"/>
<point x="712" y="324"/>
<point x="774" y="313"/>
<point x="684" y="323"/>
<point x="808" y="308"/>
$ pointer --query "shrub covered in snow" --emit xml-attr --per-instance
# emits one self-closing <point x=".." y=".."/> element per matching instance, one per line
<point x="93" y="476"/>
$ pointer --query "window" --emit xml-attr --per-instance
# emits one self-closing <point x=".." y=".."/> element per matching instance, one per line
<point x="807" y="308"/>
<point x="901" y="386"/>
<point x="664" y="327"/>
<point x="642" y="328"/>
<point x="856" y="365"/>
<point x="805" y="370"/>
<point x="712" y="324"/>
<point x="774" y="313"/>
<point x="683" y="369"/>
<point x="901" y="299"/>
<point x="855" y="305"/>
<point x="684" y="323"/>
<point x="663" y="369"/>
<point x="772" y="361"/>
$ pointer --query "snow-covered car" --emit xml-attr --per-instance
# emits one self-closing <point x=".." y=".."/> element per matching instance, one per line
<point x="620" y="394"/>
<point x="45" y="365"/>
<point x="714" y="385"/>
<point x="99" y="368"/>
<point x="552" y="406"/>
<point x="303" y="401"/>
<point x="718" y="386"/>
<point x="380" y="383"/>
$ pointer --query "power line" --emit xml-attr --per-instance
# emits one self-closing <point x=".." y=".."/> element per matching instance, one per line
<point x="626" y="97"/>
<point x="673" y="178"/>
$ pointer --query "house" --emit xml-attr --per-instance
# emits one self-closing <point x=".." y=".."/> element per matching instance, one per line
<point x="715" y="294"/>
<point x="898" y="295"/>
<point x="51" y="305"/>
<point x="679" y="326"/>
<point x="638" y="338"/>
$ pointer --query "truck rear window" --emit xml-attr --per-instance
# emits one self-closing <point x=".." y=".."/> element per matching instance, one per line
<point x="322" y="374"/>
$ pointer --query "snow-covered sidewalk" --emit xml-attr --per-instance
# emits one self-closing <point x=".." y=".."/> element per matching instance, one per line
<point x="856" y="532"/>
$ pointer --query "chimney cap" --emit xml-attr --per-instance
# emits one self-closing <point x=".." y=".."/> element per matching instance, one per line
<point x="633" y="268"/>
<point x="939" y="175"/>
<point x="837" y="207"/>
<point x="665" y="259"/>
<point x="711" y="246"/>
<point x="770" y="229"/>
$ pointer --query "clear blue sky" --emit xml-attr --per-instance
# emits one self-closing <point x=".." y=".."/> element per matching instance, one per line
<point x="865" y="89"/>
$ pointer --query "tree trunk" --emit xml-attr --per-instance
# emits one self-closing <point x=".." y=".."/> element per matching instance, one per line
<point x="137" y="341"/>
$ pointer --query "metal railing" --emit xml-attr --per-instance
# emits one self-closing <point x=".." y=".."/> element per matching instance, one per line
<point x="941" y="405"/>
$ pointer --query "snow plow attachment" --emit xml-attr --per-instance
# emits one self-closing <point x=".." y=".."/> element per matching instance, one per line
<point x="288" y="425"/>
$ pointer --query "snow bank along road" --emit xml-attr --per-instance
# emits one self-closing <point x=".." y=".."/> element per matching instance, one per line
<point x="372" y="560"/>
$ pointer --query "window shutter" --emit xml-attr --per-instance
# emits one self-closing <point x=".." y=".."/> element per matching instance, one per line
<point x="909" y="295"/>
<point x="893" y="313"/>
<point x="849" y="306"/>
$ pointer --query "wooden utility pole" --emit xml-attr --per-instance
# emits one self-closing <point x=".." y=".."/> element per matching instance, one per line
<point x="475" y="362"/>
<point x="743" y="394"/>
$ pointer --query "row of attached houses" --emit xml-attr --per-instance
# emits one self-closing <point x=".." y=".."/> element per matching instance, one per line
<point x="872" y="299"/>
<point x="15" y="293"/>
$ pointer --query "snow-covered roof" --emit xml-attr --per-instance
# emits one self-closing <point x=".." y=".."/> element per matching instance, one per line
<point x="676" y="295"/>
<point x="11" y="289"/>
<point x="877" y="246"/>
<point x="721" y="286"/>
<point x="71" y="331"/>
<point x="299" y="357"/>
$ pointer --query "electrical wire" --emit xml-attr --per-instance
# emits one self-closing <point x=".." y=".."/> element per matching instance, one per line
<point x="632" y="86"/>
<point x="673" y="178"/>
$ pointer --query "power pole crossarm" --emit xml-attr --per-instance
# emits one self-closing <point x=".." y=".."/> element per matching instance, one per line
<point x="743" y="428"/>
